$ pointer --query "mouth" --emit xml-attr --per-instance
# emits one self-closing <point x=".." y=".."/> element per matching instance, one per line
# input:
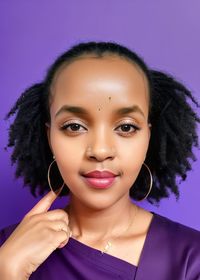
<point x="100" y="179"/>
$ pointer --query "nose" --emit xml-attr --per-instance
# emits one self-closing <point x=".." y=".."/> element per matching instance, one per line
<point x="101" y="147"/>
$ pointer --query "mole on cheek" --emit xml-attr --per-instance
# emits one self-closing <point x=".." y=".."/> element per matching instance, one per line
<point x="109" y="98"/>
<point x="99" y="109"/>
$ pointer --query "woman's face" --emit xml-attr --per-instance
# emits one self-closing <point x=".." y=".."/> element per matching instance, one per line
<point x="97" y="106"/>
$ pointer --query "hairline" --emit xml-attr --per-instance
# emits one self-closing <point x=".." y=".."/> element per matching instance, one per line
<point x="92" y="54"/>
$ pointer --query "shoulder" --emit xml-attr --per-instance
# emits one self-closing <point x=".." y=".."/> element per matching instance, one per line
<point x="180" y="241"/>
<point x="6" y="232"/>
<point x="177" y="230"/>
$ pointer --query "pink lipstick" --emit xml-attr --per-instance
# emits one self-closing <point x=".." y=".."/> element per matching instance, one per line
<point x="100" y="179"/>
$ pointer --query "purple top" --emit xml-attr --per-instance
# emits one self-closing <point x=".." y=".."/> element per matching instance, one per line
<point x="171" y="251"/>
<point x="79" y="261"/>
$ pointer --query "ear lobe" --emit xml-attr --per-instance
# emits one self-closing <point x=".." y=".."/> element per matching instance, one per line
<point x="150" y="127"/>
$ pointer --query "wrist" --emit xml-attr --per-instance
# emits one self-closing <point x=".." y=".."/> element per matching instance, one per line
<point x="9" y="271"/>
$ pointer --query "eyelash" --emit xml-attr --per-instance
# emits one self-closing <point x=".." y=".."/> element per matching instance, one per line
<point x="67" y="125"/>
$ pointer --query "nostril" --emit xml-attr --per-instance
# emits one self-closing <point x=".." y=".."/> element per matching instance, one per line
<point x="100" y="154"/>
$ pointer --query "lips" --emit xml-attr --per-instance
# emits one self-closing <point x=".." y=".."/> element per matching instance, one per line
<point x="100" y="179"/>
<point x="100" y="174"/>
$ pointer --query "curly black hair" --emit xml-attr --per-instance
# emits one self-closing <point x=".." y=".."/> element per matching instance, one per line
<point x="173" y="133"/>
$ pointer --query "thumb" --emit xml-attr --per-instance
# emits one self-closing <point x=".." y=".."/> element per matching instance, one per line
<point x="45" y="203"/>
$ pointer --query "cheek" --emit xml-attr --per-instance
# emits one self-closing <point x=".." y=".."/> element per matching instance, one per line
<point x="68" y="151"/>
<point x="134" y="155"/>
<point x="134" y="152"/>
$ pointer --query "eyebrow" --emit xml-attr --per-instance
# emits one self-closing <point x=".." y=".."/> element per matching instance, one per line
<point x="82" y="111"/>
<point x="132" y="109"/>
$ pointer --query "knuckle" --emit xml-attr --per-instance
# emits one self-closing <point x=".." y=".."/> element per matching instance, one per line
<point x="56" y="237"/>
<point x="28" y="219"/>
<point x="41" y="223"/>
<point x="63" y="215"/>
<point x="64" y="235"/>
<point x="64" y="224"/>
<point x="63" y="212"/>
<point x="60" y="225"/>
<point x="58" y="211"/>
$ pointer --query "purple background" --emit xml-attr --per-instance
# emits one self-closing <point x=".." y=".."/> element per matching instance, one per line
<point x="33" y="33"/>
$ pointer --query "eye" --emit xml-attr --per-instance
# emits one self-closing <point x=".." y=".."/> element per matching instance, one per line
<point x="127" y="129"/>
<point x="71" y="127"/>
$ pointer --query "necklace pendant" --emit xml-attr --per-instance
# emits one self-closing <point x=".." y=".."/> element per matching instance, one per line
<point x="107" y="247"/>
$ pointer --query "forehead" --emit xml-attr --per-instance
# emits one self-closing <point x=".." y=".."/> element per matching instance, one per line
<point x="95" y="79"/>
<point x="92" y="67"/>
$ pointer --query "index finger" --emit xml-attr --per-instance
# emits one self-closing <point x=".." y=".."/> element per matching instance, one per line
<point x="44" y="204"/>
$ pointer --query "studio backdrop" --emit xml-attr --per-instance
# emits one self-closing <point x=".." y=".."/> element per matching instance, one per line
<point x="33" y="33"/>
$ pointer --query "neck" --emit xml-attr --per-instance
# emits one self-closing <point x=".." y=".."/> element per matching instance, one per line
<point x="86" y="222"/>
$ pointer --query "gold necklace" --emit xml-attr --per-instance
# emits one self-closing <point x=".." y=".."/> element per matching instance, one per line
<point x="109" y="244"/>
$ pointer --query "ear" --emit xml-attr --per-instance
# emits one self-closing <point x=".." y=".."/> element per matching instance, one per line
<point x="48" y="134"/>
<point x="150" y="127"/>
<point x="149" y="136"/>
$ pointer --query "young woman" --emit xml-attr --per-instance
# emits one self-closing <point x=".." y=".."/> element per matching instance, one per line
<point x="102" y="128"/>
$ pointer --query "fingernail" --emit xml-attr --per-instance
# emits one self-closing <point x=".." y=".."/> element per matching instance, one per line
<point x="62" y="245"/>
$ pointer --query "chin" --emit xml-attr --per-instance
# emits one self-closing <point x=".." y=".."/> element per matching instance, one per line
<point x="97" y="202"/>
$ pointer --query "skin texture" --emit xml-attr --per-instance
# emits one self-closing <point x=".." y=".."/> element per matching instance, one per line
<point x="100" y="142"/>
<point x="39" y="233"/>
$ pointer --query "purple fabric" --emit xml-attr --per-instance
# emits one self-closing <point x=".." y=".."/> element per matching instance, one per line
<point x="78" y="261"/>
<point x="171" y="251"/>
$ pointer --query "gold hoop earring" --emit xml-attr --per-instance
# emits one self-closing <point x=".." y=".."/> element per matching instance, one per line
<point x="48" y="176"/>
<point x="151" y="182"/>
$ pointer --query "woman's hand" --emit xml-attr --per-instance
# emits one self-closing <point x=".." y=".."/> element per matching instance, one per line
<point x="35" y="238"/>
